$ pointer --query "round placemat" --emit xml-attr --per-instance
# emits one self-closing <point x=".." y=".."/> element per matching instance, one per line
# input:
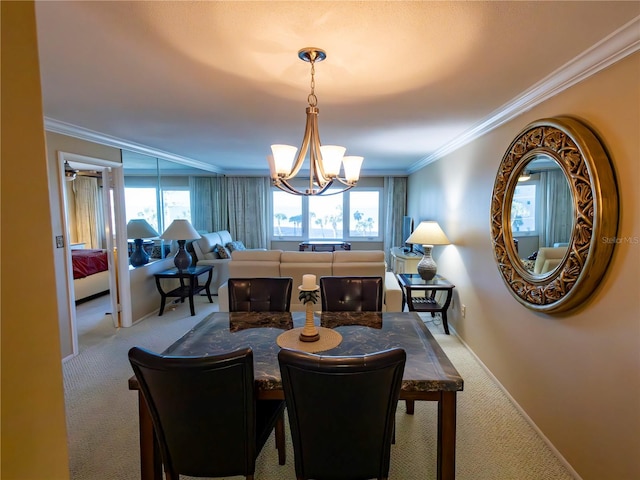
<point x="329" y="339"/>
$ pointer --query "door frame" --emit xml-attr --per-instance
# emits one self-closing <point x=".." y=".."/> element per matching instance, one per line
<point x="119" y="284"/>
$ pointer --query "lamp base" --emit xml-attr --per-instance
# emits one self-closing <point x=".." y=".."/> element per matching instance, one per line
<point x="182" y="260"/>
<point x="138" y="257"/>
<point x="427" y="267"/>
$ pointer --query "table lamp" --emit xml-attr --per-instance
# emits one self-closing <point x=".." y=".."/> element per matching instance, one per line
<point x="138" y="229"/>
<point x="181" y="230"/>
<point x="428" y="234"/>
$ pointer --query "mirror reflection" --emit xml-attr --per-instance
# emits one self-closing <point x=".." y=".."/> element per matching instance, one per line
<point x="158" y="191"/>
<point x="541" y="218"/>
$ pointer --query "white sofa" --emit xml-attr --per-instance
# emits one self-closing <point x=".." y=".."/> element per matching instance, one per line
<point x="548" y="258"/>
<point x="204" y="248"/>
<point x="277" y="263"/>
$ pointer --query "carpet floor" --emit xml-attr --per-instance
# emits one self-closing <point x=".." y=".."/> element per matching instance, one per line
<point x="494" y="441"/>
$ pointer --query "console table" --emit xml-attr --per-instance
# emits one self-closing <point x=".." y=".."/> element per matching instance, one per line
<point x="187" y="290"/>
<point x="412" y="282"/>
<point x="324" y="246"/>
<point x="404" y="261"/>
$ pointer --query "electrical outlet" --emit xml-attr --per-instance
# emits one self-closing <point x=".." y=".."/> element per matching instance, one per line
<point x="59" y="241"/>
<point x="463" y="311"/>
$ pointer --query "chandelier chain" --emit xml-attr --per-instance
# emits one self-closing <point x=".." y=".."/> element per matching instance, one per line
<point x="312" y="99"/>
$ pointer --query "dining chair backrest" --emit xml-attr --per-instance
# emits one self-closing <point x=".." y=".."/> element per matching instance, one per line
<point x="341" y="412"/>
<point x="204" y="412"/>
<point x="272" y="294"/>
<point x="351" y="294"/>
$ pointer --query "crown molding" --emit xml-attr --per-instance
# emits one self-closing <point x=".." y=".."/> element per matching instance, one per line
<point x="611" y="49"/>
<point x="57" y="126"/>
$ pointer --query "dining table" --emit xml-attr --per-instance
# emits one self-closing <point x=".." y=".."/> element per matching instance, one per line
<point x="428" y="376"/>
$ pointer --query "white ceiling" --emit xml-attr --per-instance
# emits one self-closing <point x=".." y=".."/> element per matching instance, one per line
<point x="217" y="82"/>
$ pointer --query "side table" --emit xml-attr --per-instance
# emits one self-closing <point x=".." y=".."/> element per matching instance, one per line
<point x="187" y="290"/>
<point x="411" y="282"/>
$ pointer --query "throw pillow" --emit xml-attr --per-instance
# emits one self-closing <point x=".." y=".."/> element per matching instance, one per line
<point x="222" y="252"/>
<point x="237" y="245"/>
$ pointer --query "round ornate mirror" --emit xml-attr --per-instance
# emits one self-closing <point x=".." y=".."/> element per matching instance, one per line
<point x="554" y="196"/>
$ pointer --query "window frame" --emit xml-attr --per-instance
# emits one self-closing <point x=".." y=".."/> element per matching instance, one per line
<point x="346" y="221"/>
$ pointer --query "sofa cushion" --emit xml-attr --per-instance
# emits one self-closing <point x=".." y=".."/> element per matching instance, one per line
<point x="223" y="252"/>
<point x="548" y="258"/>
<point x="366" y="263"/>
<point x="225" y="237"/>
<point x="235" y="245"/>
<point x="255" y="263"/>
<point x="207" y="242"/>
<point x="297" y="264"/>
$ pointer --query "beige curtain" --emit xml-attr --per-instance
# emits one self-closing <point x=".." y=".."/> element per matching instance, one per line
<point x="87" y="208"/>
<point x="209" y="203"/>
<point x="248" y="210"/>
<point x="395" y="207"/>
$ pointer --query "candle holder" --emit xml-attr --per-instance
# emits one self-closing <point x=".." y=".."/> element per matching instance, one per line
<point x="309" y="296"/>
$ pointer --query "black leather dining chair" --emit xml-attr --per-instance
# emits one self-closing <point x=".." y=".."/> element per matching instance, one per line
<point x="271" y="294"/>
<point x="341" y="412"/>
<point x="207" y="420"/>
<point x="351" y="294"/>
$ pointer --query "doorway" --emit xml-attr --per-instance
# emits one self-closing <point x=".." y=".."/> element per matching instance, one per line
<point x="106" y="238"/>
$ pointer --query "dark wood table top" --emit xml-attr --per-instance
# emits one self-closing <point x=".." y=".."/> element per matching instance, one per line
<point x="427" y="369"/>
<point x="191" y="271"/>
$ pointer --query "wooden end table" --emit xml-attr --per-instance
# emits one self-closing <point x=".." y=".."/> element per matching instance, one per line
<point x="187" y="290"/>
<point x="412" y="282"/>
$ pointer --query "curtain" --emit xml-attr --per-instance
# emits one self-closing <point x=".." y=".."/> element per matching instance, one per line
<point x="395" y="209"/>
<point x="209" y="203"/>
<point x="87" y="207"/>
<point x="249" y="210"/>
<point x="559" y="212"/>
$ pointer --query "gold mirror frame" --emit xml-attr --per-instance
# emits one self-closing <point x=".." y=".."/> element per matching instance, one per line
<point x="586" y="165"/>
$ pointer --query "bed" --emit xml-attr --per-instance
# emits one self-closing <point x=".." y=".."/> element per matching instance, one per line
<point x="90" y="273"/>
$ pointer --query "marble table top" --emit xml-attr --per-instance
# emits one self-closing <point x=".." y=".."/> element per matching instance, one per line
<point x="427" y="369"/>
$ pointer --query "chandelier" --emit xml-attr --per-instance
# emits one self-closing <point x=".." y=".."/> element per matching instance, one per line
<point x="325" y="160"/>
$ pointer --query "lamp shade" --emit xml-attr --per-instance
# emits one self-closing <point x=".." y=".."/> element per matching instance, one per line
<point x="180" y="229"/>
<point x="140" y="228"/>
<point x="428" y="233"/>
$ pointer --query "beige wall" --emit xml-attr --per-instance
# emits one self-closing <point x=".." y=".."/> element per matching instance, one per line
<point x="577" y="375"/>
<point x="34" y="442"/>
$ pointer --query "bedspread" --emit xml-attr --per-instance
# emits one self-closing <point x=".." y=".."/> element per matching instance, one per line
<point x="87" y="262"/>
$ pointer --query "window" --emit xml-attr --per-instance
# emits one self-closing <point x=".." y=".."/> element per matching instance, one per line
<point x="287" y="216"/>
<point x="352" y="215"/>
<point x="325" y="217"/>
<point x="523" y="210"/>
<point x="142" y="202"/>
<point x="176" y="204"/>
<point x="364" y="213"/>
